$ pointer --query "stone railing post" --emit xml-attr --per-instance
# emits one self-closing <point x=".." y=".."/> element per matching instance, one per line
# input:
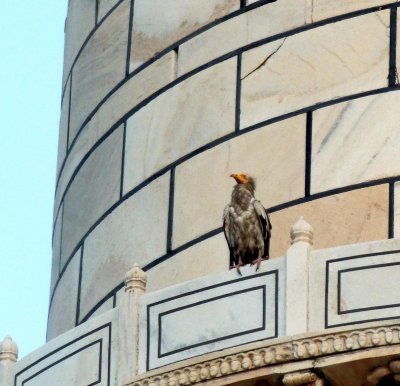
<point x="297" y="267"/>
<point x="302" y="378"/>
<point x="8" y="356"/>
<point x="135" y="286"/>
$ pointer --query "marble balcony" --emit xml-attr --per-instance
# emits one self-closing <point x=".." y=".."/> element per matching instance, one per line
<point x="332" y="316"/>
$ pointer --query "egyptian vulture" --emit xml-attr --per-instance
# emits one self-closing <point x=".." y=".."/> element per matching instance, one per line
<point x="247" y="226"/>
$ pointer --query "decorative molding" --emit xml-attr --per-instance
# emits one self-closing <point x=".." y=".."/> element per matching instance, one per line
<point x="297" y="349"/>
<point x="302" y="378"/>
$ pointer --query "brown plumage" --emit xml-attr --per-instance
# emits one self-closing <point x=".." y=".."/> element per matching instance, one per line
<point x="246" y="225"/>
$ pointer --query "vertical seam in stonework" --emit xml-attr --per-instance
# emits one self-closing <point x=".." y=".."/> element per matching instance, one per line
<point x="175" y="63"/>
<point x="238" y="92"/>
<point x="391" y="211"/>
<point x="96" y="13"/>
<point x="308" y="154"/>
<point x="121" y="188"/>
<point x="78" y="298"/>
<point x="61" y="232"/>
<point x="129" y="44"/>
<point x="171" y="210"/>
<point x="69" y="115"/>
<point x="393" y="76"/>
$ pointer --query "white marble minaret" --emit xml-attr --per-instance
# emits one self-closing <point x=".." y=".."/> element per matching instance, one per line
<point x="162" y="101"/>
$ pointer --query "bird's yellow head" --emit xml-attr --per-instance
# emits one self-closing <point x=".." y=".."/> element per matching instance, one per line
<point x="241" y="178"/>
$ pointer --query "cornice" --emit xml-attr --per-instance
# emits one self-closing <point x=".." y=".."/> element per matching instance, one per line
<point x="271" y="354"/>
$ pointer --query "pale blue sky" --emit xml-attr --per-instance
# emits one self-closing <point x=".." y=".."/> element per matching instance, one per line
<point x="31" y="41"/>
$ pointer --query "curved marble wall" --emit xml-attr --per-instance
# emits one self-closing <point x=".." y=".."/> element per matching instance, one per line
<point x="163" y="99"/>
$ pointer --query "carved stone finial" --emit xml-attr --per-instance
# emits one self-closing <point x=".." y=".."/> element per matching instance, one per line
<point x="8" y="350"/>
<point x="135" y="279"/>
<point x="299" y="378"/>
<point x="301" y="231"/>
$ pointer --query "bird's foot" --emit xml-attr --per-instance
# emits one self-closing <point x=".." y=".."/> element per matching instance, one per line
<point x="258" y="261"/>
<point x="237" y="266"/>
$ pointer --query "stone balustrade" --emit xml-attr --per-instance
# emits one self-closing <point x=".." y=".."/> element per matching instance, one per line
<point x="308" y="305"/>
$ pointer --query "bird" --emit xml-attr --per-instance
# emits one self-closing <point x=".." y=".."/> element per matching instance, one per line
<point x="246" y="225"/>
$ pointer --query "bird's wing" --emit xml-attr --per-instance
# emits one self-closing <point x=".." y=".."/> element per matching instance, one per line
<point x="265" y="223"/>
<point x="262" y="215"/>
<point x="228" y="231"/>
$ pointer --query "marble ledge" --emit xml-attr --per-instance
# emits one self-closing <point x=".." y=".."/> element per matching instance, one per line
<point x="265" y="354"/>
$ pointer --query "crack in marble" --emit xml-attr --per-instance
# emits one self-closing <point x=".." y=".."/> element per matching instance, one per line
<point x="264" y="62"/>
<point x="312" y="11"/>
<point x="338" y="57"/>
<point x="333" y="128"/>
<point x="379" y="151"/>
<point x="387" y="26"/>
<point x="305" y="62"/>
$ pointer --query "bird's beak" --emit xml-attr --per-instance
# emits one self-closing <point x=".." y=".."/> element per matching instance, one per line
<point x="236" y="177"/>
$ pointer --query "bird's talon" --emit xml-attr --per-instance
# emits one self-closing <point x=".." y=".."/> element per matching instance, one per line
<point x="258" y="262"/>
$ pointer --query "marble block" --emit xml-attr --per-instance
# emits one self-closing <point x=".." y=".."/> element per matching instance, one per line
<point x="262" y="22"/>
<point x="85" y="355"/>
<point x="368" y="287"/>
<point x="279" y="176"/>
<point x="62" y="313"/>
<point x="182" y="119"/>
<point x="100" y="67"/>
<point x="351" y="217"/>
<point x="355" y="142"/>
<point x="135" y="232"/>
<point x="290" y="74"/>
<point x="362" y="288"/>
<point x="244" y="308"/>
<point x="78" y="25"/>
<point x="205" y="258"/>
<point x="131" y="93"/>
<point x="63" y="374"/>
<point x="105" y="7"/>
<point x="396" y="215"/>
<point x="322" y="9"/>
<point x="63" y="131"/>
<point x="95" y="188"/>
<point x="353" y="284"/>
<point x="158" y="24"/>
